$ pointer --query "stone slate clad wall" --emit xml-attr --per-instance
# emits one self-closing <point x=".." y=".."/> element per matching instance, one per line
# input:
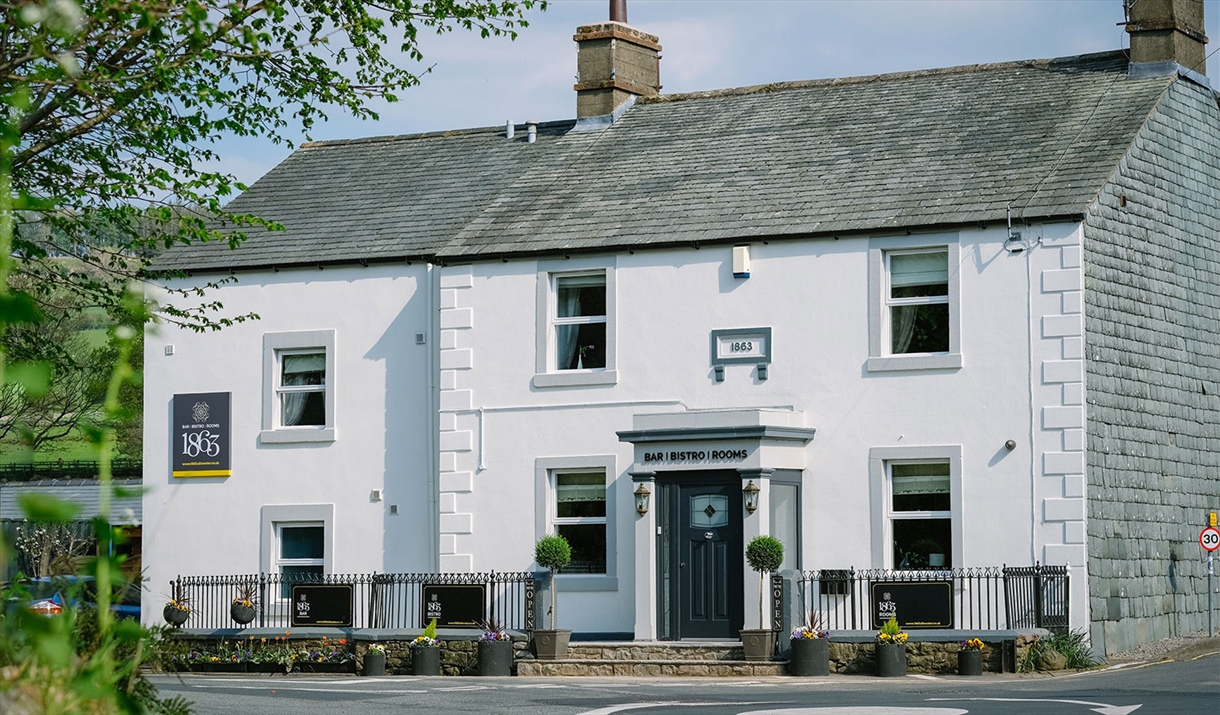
<point x="1152" y="339"/>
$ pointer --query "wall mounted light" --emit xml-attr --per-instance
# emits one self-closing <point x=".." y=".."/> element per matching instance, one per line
<point x="641" y="499"/>
<point x="750" y="492"/>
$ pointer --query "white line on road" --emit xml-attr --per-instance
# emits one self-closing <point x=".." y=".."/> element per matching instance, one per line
<point x="924" y="677"/>
<point x="308" y="690"/>
<point x="1103" y="708"/>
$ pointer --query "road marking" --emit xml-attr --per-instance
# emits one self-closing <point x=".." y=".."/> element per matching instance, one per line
<point x="1205" y="655"/>
<point x="460" y="688"/>
<point x="860" y="710"/>
<point x="611" y="709"/>
<point x="282" y="686"/>
<point x="924" y="677"/>
<point x="1103" y="708"/>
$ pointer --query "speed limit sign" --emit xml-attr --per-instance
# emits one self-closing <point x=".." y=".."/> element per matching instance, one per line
<point x="1209" y="538"/>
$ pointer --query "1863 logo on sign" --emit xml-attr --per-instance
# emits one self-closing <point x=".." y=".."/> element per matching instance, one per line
<point x="886" y="607"/>
<point x="302" y="607"/>
<point x="434" y="608"/>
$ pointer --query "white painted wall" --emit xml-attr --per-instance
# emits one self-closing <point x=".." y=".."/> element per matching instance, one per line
<point x="494" y="424"/>
<point x="210" y="526"/>
<point x="814" y="294"/>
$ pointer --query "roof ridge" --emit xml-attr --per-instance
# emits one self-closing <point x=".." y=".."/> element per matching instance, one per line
<point x="888" y="76"/>
<point x="387" y="138"/>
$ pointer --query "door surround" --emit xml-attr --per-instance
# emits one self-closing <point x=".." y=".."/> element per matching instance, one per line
<point x="753" y="442"/>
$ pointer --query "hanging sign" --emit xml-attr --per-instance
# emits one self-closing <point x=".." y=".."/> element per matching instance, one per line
<point x="322" y="605"/>
<point x="200" y="435"/>
<point x="454" y="605"/>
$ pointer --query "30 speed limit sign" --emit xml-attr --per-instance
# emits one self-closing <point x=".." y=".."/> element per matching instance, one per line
<point x="1209" y="538"/>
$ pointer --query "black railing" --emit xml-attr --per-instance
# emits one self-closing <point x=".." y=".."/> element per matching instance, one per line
<point x="983" y="598"/>
<point x="379" y="600"/>
<point x="72" y="469"/>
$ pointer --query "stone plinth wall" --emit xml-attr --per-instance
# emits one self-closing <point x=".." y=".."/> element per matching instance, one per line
<point x="457" y="657"/>
<point x="922" y="657"/>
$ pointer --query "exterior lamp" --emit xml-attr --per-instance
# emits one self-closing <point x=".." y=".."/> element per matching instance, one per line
<point x="641" y="499"/>
<point x="750" y="492"/>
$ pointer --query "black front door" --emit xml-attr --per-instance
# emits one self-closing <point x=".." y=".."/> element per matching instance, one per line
<point x="706" y="556"/>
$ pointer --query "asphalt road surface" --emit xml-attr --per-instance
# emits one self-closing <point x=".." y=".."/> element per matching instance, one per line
<point x="1171" y="688"/>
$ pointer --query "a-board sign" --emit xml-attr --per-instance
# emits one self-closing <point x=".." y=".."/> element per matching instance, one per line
<point x="200" y="435"/>
<point x="315" y="604"/>
<point x="455" y="605"/>
<point x="916" y="604"/>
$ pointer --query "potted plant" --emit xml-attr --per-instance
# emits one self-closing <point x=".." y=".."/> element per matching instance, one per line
<point x="552" y="552"/>
<point x="177" y="609"/>
<point x="970" y="657"/>
<point x="764" y="554"/>
<point x="810" y="649"/>
<point x="426" y="652"/>
<point x="495" y="650"/>
<point x="891" y="650"/>
<point x="374" y="660"/>
<point x="242" y="609"/>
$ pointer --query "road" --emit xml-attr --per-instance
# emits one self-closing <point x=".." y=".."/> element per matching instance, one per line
<point x="1170" y="688"/>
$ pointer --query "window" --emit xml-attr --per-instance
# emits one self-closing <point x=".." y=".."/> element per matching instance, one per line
<point x="298" y="379"/>
<point x="296" y="542"/>
<point x="917" y="496"/>
<point x="913" y="315"/>
<point x="574" y="497"/>
<point x="580" y="517"/>
<point x="918" y="302"/>
<point x="576" y="311"/>
<point x="300" y="553"/>
<point x="785" y="521"/>
<point x="920" y="514"/>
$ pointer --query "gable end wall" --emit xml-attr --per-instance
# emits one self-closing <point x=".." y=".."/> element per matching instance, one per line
<point x="1152" y="338"/>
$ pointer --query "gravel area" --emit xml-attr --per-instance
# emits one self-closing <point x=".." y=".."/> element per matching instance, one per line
<point x="1162" y="648"/>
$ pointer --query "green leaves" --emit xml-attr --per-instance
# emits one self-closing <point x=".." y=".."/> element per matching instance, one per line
<point x="41" y="507"/>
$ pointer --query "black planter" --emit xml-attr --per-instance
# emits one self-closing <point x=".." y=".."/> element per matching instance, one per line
<point x="374" y="663"/>
<point x="891" y="660"/>
<point x="426" y="660"/>
<point x="970" y="662"/>
<point x="174" y="616"/>
<point x="266" y="668"/>
<point x="496" y="658"/>
<point x="242" y="614"/>
<point x="810" y="656"/>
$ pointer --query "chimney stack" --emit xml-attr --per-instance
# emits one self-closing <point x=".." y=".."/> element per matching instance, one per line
<point x="1167" y="31"/>
<point x="615" y="63"/>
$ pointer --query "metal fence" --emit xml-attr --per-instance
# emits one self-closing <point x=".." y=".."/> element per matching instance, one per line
<point x="379" y="600"/>
<point x="982" y="598"/>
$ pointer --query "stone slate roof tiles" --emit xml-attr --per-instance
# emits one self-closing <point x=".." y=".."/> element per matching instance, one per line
<point x="910" y="150"/>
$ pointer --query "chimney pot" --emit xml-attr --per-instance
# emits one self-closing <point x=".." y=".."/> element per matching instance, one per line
<point x="509" y="129"/>
<point x="531" y="131"/>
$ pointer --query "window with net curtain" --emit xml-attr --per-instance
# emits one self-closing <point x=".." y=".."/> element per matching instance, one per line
<point x="921" y="515"/>
<point x="918" y="302"/>
<point x="580" y="517"/>
<point x="580" y="322"/>
<point x="302" y="389"/>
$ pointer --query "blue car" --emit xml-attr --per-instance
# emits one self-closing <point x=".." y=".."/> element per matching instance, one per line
<point x="48" y="594"/>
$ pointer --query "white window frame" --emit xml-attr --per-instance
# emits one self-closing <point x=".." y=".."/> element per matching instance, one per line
<point x="278" y="561"/>
<point x="275" y="346"/>
<point x="880" y="486"/>
<point x="546" y="470"/>
<point x="274" y="517"/>
<point x="879" y="341"/>
<point x="546" y="372"/>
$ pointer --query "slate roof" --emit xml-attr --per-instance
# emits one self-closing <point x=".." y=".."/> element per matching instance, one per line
<point x="85" y="493"/>
<point x="909" y="150"/>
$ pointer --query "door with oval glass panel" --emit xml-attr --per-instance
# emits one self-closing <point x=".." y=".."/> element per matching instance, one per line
<point x="709" y="558"/>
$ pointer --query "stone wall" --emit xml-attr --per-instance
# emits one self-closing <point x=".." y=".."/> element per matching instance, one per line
<point x="458" y="657"/>
<point x="1152" y="339"/>
<point x="922" y="657"/>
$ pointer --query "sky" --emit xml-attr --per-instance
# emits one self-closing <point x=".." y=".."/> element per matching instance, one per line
<point x="714" y="44"/>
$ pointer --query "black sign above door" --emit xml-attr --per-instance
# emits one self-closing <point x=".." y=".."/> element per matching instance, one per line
<point x="916" y="604"/>
<point x="455" y="605"/>
<point x="322" y="605"/>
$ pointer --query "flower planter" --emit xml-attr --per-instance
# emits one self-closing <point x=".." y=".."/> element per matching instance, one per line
<point x="496" y="658"/>
<point x="222" y="667"/>
<point x="551" y="644"/>
<point x="266" y="668"/>
<point x="891" y="660"/>
<point x="810" y="656"/>
<point x="174" y="616"/>
<point x="758" y="644"/>
<point x="374" y="663"/>
<point x="970" y="662"/>
<point x="308" y="667"/>
<point x="243" y="615"/>
<point x="426" y="660"/>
